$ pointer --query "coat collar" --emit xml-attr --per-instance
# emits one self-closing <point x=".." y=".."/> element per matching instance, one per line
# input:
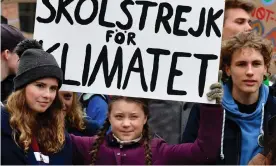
<point x="115" y="142"/>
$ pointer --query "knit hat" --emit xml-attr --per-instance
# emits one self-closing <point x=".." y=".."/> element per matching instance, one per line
<point x="10" y="37"/>
<point x="36" y="64"/>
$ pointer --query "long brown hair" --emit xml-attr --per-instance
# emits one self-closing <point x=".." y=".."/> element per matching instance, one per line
<point x="146" y="133"/>
<point x="47" y="128"/>
<point x="75" y="115"/>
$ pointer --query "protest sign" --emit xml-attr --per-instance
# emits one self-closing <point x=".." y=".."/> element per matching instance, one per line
<point x="161" y="49"/>
<point x="264" y="22"/>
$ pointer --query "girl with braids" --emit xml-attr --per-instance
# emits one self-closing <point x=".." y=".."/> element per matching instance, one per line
<point x="76" y="122"/>
<point x="32" y="122"/>
<point x="130" y="142"/>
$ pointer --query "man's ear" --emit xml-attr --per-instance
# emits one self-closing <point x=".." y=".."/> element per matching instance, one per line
<point x="228" y="70"/>
<point x="266" y="69"/>
<point x="5" y="54"/>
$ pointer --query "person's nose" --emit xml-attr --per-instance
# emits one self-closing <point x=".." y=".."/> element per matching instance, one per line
<point x="248" y="27"/>
<point x="249" y="70"/>
<point x="126" y="123"/>
<point x="47" y="93"/>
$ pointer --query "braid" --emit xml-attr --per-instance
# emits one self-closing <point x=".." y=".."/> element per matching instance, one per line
<point x="146" y="136"/>
<point x="99" y="141"/>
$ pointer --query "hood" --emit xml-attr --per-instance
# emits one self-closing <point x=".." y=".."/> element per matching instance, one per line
<point x="248" y="122"/>
<point x="232" y="108"/>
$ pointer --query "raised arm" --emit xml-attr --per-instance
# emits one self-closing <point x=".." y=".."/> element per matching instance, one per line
<point x="206" y="147"/>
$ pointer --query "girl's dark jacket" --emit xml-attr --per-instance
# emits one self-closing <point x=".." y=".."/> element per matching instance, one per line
<point x="204" y="149"/>
<point x="11" y="154"/>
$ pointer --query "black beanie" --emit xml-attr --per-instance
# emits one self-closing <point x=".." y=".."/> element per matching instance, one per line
<point x="36" y="64"/>
<point x="10" y="37"/>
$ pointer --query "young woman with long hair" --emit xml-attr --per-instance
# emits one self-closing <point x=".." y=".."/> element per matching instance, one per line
<point x="76" y="121"/>
<point x="32" y="122"/>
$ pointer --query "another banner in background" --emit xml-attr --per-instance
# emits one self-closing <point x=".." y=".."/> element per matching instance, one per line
<point x="264" y="22"/>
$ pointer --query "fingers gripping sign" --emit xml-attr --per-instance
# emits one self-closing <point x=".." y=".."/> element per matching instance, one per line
<point x="216" y="92"/>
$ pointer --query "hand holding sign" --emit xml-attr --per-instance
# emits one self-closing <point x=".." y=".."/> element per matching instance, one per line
<point x="216" y="92"/>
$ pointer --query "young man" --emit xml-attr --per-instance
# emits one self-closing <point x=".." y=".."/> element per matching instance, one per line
<point x="237" y="17"/>
<point x="245" y="59"/>
<point x="168" y="118"/>
<point x="10" y="37"/>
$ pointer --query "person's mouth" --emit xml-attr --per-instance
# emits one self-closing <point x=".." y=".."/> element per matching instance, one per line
<point x="250" y="82"/>
<point x="43" y="104"/>
<point x="126" y="132"/>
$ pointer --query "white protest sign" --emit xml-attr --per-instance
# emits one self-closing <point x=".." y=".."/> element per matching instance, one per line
<point x="161" y="49"/>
